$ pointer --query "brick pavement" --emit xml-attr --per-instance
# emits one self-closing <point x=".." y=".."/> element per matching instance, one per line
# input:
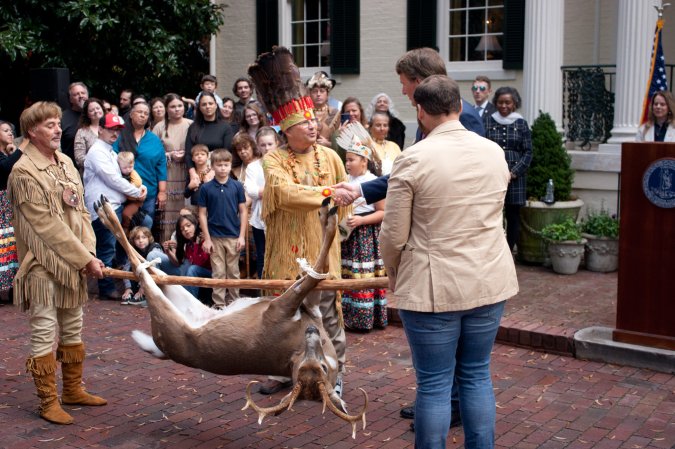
<point x="544" y="400"/>
<point x="551" y="307"/>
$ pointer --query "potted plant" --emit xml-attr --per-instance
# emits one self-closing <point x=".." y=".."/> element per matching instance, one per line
<point x="601" y="231"/>
<point x="565" y="245"/>
<point x="550" y="161"/>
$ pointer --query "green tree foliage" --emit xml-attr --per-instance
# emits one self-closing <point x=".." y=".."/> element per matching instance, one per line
<point x="152" y="46"/>
<point x="549" y="161"/>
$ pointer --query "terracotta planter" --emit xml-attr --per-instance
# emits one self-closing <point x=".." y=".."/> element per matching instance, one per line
<point x="602" y="253"/>
<point x="533" y="217"/>
<point x="566" y="255"/>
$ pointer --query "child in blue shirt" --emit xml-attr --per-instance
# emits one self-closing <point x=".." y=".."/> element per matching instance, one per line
<point x="223" y="217"/>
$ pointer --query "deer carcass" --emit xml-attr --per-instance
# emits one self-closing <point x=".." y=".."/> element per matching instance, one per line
<point x="281" y="336"/>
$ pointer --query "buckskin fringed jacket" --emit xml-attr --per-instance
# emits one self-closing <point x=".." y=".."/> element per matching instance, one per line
<point x="53" y="230"/>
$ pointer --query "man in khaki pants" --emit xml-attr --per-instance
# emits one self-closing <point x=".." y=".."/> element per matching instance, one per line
<point x="56" y="246"/>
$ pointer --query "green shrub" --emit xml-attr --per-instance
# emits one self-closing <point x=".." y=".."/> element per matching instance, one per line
<point x="600" y="224"/>
<point x="558" y="232"/>
<point x="549" y="161"/>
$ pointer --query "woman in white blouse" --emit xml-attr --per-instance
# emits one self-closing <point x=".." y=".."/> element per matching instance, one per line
<point x="659" y="126"/>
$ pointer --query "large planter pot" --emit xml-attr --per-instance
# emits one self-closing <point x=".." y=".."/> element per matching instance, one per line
<point x="566" y="255"/>
<point x="602" y="253"/>
<point x="533" y="217"/>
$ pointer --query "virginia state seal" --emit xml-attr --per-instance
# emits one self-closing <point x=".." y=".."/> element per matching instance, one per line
<point x="658" y="183"/>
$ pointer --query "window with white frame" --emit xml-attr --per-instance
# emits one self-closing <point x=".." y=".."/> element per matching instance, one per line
<point x="310" y="32"/>
<point x="473" y="31"/>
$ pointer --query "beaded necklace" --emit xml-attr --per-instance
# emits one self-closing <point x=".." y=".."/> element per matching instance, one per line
<point x="319" y="176"/>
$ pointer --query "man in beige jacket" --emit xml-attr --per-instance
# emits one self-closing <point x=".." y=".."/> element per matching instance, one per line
<point x="448" y="262"/>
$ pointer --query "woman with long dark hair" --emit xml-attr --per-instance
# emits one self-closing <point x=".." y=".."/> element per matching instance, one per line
<point x="228" y="113"/>
<point x="209" y="128"/>
<point x="157" y="112"/>
<point x="187" y="251"/>
<point x="172" y="131"/>
<point x="87" y="133"/>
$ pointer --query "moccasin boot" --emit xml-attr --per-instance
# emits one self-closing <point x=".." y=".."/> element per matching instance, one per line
<point x="72" y="365"/>
<point x="43" y="370"/>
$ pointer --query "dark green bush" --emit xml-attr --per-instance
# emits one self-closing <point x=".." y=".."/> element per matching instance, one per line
<point x="549" y="161"/>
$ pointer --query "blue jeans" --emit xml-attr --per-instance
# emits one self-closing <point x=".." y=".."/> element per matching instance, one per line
<point x="149" y="208"/>
<point x="452" y="345"/>
<point x="105" y="252"/>
<point x="195" y="271"/>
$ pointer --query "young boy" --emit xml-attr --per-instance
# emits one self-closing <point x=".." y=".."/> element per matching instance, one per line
<point x="209" y="84"/>
<point x="200" y="157"/>
<point x="223" y="218"/>
<point x="125" y="159"/>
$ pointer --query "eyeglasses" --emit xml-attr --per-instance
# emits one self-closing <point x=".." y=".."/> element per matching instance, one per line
<point x="481" y="88"/>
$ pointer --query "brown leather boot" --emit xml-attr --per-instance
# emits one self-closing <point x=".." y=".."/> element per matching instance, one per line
<point x="72" y="360"/>
<point x="43" y="370"/>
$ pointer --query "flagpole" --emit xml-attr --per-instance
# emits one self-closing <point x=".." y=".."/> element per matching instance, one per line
<point x="656" y="64"/>
<point x="660" y="9"/>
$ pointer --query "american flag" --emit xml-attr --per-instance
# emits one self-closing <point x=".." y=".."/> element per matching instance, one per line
<point x="657" y="71"/>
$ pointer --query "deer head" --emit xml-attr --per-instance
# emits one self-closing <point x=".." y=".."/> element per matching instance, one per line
<point x="311" y="382"/>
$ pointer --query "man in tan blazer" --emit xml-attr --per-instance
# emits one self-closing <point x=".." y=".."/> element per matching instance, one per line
<point x="448" y="262"/>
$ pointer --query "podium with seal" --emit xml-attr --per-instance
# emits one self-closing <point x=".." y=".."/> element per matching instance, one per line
<point x="646" y="289"/>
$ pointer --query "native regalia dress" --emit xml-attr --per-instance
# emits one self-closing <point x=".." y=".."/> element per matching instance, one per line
<point x="361" y="259"/>
<point x="176" y="174"/>
<point x="9" y="261"/>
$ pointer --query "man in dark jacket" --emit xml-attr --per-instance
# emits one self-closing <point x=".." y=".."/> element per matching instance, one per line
<point x="412" y="68"/>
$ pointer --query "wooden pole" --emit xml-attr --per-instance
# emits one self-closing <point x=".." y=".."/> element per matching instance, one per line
<point x="265" y="284"/>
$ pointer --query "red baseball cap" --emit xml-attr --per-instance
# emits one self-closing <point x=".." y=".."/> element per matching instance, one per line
<point x="110" y="121"/>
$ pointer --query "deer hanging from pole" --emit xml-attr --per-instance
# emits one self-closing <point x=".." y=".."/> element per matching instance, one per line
<point x="282" y="336"/>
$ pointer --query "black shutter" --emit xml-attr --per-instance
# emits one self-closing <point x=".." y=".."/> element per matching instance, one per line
<point x="421" y="24"/>
<point x="345" y="36"/>
<point x="267" y="25"/>
<point x="514" y="34"/>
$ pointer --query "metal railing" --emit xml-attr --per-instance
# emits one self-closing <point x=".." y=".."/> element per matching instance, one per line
<point x="588" y="102"/>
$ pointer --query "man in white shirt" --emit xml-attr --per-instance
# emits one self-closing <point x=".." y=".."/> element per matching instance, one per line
<point x="481" y="90"/>
<point x="102" y="176"/>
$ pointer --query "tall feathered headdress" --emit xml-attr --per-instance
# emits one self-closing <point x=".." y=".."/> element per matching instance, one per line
<point x="277" y="81"/>
<point x="354" y="138"/>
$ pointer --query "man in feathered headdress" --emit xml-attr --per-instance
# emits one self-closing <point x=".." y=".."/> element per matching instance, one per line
<point x="296" y="176"/>
<point x="328" y="118"/>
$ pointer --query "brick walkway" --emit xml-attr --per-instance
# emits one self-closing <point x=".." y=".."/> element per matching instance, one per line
<point x="545" y="400"/>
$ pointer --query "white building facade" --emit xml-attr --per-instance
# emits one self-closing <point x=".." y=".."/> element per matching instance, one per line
<point x="520" y="43"/>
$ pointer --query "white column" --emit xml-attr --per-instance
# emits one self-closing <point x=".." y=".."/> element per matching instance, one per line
<point x="635" y="37"/>
<point x="542" y="78"/>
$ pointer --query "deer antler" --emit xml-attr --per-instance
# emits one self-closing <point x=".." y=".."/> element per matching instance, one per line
<point x="286" y="403"/>
<point x="349" y="418"/>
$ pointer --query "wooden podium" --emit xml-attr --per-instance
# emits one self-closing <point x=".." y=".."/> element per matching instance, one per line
<point x="646" y="289"/>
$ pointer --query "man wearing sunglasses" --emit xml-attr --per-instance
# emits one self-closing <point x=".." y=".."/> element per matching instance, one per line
<point x="481" y="90"/>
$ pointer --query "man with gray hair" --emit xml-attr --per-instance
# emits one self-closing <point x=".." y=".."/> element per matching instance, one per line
<point x="77" y="95"/>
